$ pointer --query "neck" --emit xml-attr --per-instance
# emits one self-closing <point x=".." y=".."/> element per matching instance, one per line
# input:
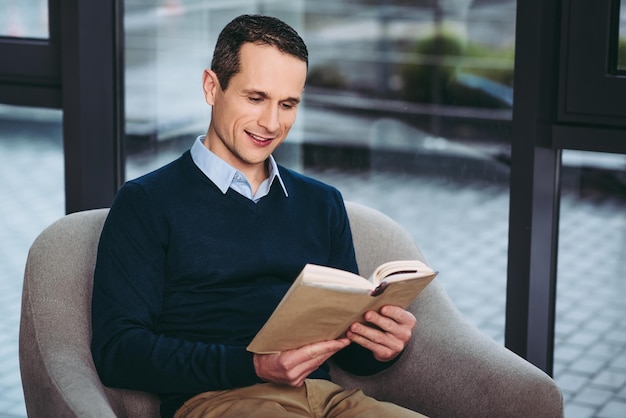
<point x="256" y="178"/>
<point x="254" y="173"/>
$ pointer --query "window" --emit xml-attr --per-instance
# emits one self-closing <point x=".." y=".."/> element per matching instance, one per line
<point x="590" y="346"/>
<point x="410" y="99"/>
<point x="24" y="18"/>
<point x="593" y="91"/>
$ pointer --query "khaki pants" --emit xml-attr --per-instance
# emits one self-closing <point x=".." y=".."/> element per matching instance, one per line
<point x="317" y="398"/>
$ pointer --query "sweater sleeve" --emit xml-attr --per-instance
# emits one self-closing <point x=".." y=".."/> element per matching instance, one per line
<point x="127" y="298"/>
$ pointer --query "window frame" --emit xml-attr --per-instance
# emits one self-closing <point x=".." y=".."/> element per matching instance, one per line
<point x="593" y="90"/>
<point x="81" y="60"/>
<point x="556" y="107"/>
<point x="33" y="78"/>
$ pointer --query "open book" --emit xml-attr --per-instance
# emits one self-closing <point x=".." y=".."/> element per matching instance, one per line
<point x="323" y="302"/>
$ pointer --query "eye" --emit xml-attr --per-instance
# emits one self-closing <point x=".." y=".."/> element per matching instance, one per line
<point x="255" y="99"/>
<point x="287" y="106"/>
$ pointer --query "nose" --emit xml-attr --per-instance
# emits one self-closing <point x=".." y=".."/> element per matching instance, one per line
<point x="269" y="118"/>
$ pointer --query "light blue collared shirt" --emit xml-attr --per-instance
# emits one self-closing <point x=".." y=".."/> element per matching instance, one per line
<point x="225" y="176"/>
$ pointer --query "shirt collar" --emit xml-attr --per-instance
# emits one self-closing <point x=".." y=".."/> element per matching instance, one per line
<point x="223" y="174"/>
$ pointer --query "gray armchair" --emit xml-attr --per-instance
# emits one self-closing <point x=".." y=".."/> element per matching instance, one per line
<point x="450" y="369"/>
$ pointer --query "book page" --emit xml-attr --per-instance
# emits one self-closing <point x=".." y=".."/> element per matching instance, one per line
<point x="394" y="271"/>
<point x="329" y="277"/>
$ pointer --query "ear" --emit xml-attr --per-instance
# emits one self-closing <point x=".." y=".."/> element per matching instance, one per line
<point x="210" y="84"/>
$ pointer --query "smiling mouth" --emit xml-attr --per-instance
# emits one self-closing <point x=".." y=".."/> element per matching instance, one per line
<point x="259" y="139"/>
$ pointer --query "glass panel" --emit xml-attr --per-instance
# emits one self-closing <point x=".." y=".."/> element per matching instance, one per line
<point x="407" y="109"/>
<point x="32" y="189"/>
<point x="590" y="352"/>
<point x="24" y="18"/>
<point x="621" y="50"/>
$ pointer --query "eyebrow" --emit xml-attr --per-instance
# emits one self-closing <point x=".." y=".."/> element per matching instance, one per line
<point x="265" y="95"/>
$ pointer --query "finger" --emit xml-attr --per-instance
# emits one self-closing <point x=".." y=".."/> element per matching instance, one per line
<point x="302" y="370"/>
<point x="373" y="334"/>
<point x="388" y="326"/>
<point x="323" y="348"/>
<point x="384" y="323"/>
<point x="383" y="347"/>
<point x="399" y="315"/>
<point x="293" y="374"/>
<point x="312" y="351"/>
<point x="303" y="361"/>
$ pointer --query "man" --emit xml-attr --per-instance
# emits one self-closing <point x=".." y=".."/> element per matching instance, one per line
<point x="195" y="256"/>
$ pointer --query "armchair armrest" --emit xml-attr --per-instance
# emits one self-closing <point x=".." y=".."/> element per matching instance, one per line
<point x="451" y="369"/>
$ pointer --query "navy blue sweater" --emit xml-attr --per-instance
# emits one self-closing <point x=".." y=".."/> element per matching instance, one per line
<point x="186" y="276"/>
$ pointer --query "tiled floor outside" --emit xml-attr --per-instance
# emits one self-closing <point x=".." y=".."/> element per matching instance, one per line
<point x="462" y="229"/>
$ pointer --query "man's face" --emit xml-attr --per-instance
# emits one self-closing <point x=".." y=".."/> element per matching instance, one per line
<point x="255" y="113"/>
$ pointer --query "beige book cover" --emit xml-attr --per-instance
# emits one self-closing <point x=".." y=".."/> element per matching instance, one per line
<point x="323" y="302"/>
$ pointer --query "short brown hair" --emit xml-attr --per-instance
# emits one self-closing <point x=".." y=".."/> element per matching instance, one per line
<point x="257" y="29"/>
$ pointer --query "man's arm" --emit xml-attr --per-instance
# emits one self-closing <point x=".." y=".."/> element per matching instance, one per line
<point x="127" y="299"/>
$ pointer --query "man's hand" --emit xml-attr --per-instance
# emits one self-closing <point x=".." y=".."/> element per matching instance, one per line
<point x="390" y="333"/>
<point x="293" y="366"/>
